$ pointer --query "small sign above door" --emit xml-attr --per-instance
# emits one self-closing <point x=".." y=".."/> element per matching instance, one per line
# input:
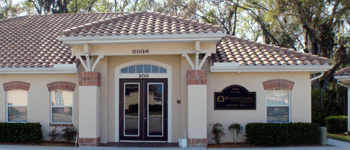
<point x="235" y="97"/>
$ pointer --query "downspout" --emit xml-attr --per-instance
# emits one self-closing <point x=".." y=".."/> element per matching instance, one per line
<point x="347" y="127"/>
<point x="317" y="77"/>
<point x="312" y="79"/>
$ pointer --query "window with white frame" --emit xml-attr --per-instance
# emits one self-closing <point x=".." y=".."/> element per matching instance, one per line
<point x="143" y="69"/>
<point x="278" y="105"/>
<point x="61" y="107"/>
<point x="17" y="102"/>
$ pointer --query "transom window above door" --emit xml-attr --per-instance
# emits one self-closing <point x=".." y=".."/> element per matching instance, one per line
<point x="143" y="69"/>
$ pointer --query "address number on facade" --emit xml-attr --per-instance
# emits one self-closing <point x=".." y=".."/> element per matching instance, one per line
<point x="143" y="75"/>
<point x="140" y="51"/>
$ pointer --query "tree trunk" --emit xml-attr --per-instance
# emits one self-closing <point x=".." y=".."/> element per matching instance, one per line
<point x="115" y="5"/>
<point x="235" y="21"/>
<point x="329" y="76"/>
<point x="76" y="6"/>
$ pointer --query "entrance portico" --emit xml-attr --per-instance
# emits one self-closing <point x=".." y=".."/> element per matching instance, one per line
<point x="132" y="120"/>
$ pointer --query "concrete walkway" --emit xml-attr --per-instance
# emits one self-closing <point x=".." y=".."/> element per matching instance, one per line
<point x="336" y="145"/>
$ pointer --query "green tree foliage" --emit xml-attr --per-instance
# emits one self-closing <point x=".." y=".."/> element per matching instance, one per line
<point x="9" y="10"/>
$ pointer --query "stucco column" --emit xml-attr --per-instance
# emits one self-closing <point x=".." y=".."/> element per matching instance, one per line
<point x="89" y="108"/>
<point x="197" y="108"/>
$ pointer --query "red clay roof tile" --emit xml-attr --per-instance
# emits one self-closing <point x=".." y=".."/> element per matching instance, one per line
<point x="32" y="41"/>
<point x="247" y="53"/>
<point x="343" y="72"/>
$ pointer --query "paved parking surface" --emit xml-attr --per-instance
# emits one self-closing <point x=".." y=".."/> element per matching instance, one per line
<point x="336" y="145"/>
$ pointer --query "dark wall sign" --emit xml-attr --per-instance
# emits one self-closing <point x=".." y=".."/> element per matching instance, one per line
<point x="235" y="97"/>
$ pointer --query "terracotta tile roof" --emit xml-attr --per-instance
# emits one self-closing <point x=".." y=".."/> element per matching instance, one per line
<point x="31" y="41"/>
<point x="343" y="72"/>
<point x="142" y="23"/>
<point x="247" y="53"/>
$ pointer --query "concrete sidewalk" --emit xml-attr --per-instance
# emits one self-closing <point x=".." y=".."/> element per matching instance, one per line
<point x="336" y="145"/>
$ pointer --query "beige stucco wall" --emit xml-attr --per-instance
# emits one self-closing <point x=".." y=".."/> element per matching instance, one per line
<point x="300" y="102"/>
<point x="39" y="98"/>
<point x="197" y="109"/>
<point x="154" y="49"/>
<point x="89" y="116"/>
<point x="39" y="95"/>
<point x="300" y="109"/>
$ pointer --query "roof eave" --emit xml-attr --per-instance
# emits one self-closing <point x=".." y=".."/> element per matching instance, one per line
<point x="56" y="69"/>
<point x="235" y="67"/>
<point x="115" y="39"/>
<point x="342" y="78"/>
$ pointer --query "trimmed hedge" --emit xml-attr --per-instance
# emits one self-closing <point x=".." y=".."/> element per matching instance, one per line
<point x="336" y="124"/>
<point x="280" y="134"/>
<point x="20" y="133"/>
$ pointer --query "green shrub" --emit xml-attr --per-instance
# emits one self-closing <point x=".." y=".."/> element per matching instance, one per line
<point x="336" y="124"/>
<point x="69" y="134"/>
<point x="218" y="132"/>
<point x="280" y="134"/>
<point x="20" y="133"/>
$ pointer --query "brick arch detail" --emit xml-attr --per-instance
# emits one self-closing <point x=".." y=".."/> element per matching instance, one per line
<point x="16" y="85"/>
<point x="278" y="83"/>
<point x="61" y="85"/>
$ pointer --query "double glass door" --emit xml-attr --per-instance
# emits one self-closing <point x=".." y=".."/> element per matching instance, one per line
<point x="143" y="109"/>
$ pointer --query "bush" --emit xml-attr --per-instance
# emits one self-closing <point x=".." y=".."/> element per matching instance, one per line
<point x="235" y="128"/>
<point x="69" y="134"/>
<point x="336" y="124"/>
<point x="54" y="135"/>
<point x="20" y="133"/>
<point x="280" y="134"/>
<point x="218" y="132"/>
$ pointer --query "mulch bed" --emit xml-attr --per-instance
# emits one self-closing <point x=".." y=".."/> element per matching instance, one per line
<point x="246" y="145"/>
<point x="45" y="143"/>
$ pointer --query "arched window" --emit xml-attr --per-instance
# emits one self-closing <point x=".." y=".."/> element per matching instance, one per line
<point x="143" y="69"/>
<point x="16" y="101"/>
<point x="278" y="99"/>
<point x="61" y="102"/>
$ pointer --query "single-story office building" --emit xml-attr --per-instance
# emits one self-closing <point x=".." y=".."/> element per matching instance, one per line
<point x="146" y="76"/>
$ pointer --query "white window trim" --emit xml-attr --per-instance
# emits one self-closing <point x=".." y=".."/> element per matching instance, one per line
<point x="51" y="122"/>
<point x="143" y="71"/>
<point x="289" y="107"/>
<point x="7" y="106"/>
<point x="138" y="109"/>
<point x="148" y="109"/>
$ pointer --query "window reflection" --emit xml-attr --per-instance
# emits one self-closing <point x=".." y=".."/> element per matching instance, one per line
<point x="155" y="109"/>
<point x="131" y="107"/>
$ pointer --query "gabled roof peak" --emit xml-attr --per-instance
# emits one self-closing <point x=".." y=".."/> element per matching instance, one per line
<point x="143" y="22"/>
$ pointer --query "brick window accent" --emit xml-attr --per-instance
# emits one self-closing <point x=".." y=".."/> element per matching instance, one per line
<point x="278" y="83"/>
<point x="61" y="125"/>
<point x="196" y="77"/>
<point x="61" y="85"/>
<point x="196" y="142"/>
<point x="16" y="85"/>
<point x="89" y="141"/>
<point x="89" y="79"/>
